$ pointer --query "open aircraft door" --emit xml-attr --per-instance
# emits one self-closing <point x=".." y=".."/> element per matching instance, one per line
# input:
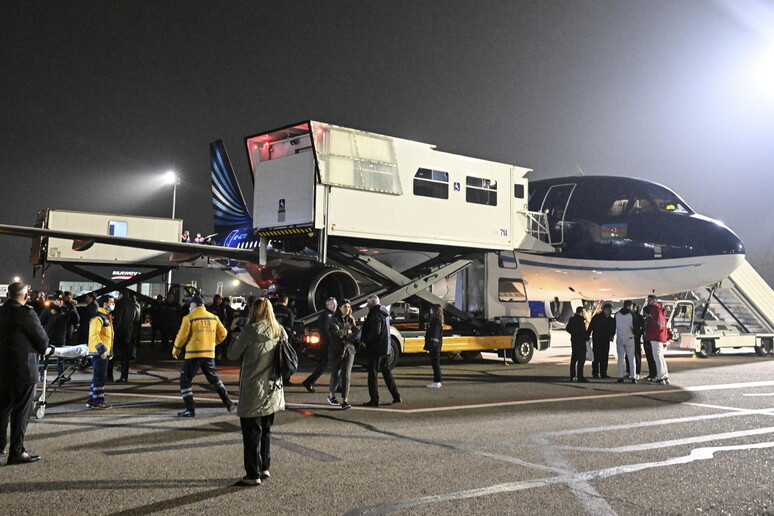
<point x="555" y="207"/>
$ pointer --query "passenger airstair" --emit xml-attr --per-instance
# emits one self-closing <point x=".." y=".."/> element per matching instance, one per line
<point x="744" y="299"/>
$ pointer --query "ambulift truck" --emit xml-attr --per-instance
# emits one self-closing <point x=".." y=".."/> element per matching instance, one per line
<point x="401" y="220"/>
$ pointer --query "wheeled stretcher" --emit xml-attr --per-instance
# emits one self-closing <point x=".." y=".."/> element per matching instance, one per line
<point x="73" y="359"/>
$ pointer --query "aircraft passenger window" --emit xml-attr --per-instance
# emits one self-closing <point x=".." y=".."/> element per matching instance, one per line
<point x="431" y="183"/>
<point x="511" y="290"/>
<point x="117" y="228"/>
<point x="481" y="191"/>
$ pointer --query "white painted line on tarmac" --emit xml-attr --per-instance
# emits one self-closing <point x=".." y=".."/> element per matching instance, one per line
<point x="697" y="454"/>
<point x="672" y="443"/>
<point x="760" y="394"/>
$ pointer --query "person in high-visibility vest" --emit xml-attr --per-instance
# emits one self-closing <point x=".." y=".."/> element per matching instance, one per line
<point x="199" y="332"/>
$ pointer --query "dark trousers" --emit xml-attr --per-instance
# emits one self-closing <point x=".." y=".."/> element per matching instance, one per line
<point x="98" y="378"/>
<point x="376" y="364"/>
<point x="167" y="338"/>
<point x="637" y="358"/>
<point x="124" y="367"/>
<point x="154" y="332"/>
<point x="578" y="359"/>
<point x="256" y="436"/>
<point x="322" y="365"/>
<point x="651" y="361"/>
<point x="435" y="362"/>
<point x="16" y="407"/>
<point x="190" y="368"/>
<point x="601" y="357"/>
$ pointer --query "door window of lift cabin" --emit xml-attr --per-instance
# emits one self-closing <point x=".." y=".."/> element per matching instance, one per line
<point x="431" y="183"/>
<point x="480" y="190"/>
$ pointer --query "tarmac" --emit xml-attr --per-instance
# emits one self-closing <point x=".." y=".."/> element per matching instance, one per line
<point x="495" y="439"/>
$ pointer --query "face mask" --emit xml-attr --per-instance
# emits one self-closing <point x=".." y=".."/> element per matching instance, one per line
<point x="191" y="307"/>
<point x="110" y="308"/>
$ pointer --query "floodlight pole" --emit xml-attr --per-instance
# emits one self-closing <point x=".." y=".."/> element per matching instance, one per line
<point x="175" y="182"/>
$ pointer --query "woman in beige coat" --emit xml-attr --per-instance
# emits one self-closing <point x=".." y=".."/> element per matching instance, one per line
<point x="260" y="388"/>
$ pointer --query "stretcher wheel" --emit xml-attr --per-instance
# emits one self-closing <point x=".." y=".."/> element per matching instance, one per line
<point x="40" y="411"/>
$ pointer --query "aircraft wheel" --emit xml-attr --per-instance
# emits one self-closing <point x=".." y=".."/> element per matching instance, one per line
<point x="706" y="348"/>
<point x="523" y="349"/>
<point x="766" y="348"/>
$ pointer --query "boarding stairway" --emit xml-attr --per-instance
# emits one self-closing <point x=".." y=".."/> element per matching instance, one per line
<point x="744" y="300"/>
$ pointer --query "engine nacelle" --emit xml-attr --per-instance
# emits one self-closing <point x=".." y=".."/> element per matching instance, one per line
<point x="312" y="286"/>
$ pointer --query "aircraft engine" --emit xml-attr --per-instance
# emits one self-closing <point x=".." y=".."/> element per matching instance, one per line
<point x="311" y="287"/>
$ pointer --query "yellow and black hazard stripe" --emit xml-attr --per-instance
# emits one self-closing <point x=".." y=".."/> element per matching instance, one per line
<point x="287" y="232"/>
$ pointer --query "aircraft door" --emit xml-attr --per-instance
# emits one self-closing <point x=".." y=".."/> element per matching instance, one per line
<point x="555" y="206"/>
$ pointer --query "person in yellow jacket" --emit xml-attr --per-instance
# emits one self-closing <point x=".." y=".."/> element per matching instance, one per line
<point x="199" y="332"/>
<point x="101" y="345"/>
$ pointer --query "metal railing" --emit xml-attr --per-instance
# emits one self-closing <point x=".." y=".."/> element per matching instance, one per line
<point x="537" y="225"/>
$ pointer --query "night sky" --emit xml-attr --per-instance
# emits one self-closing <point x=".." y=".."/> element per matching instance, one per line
<point x="100" y="98"/>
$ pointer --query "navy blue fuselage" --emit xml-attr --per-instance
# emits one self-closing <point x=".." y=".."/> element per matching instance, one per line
<point x="621" y="218"/>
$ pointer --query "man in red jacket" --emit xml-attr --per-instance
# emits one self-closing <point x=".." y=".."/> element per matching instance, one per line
<point x="656" y="332"/>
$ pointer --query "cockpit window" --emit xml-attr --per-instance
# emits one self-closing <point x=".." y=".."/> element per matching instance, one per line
<point x="618" y="207"/>
<point x="666" y="200"/>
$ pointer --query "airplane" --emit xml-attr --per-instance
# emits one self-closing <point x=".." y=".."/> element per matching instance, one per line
<point x="619" y="237"/>
<point x="590" y="237"/>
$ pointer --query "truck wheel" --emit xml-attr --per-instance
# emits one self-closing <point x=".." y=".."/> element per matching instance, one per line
<point x="523" y="349"/>
<point x="705" y="349"/>
<point x="395" y="355"/>
<point x="766" y="347"/>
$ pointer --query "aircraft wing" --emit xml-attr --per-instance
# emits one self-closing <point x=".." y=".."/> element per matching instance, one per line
<point x="182" y="251"/>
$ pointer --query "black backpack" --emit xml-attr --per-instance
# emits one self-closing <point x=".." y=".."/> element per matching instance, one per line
<point x="288" y="358"/>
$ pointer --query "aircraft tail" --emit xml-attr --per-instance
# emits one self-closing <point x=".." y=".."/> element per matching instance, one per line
<point x="228" y="204"/>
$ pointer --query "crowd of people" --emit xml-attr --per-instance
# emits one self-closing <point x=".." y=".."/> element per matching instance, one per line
<point x="632" y="332"/>
<point x="31" y="326"/>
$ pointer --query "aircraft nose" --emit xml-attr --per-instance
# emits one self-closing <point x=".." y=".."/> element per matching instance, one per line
<point x="715" y="238"/>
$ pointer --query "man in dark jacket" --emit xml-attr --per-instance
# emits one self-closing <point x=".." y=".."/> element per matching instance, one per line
<point x="217" y="307"/>
<point x="57" y="319"/>
<point x="22" y="339"/>
<point x="284" y="315"/>
<point x="576" y="327"/>
<point x="170" y="315"/>
<point x="125" y="315"/>
<point x="70" y="306"/>
<point x="287" y="319"/>
<point x="639" y="329"/>
<point x="376" y="337"/>
<point x="601" y="330"/>
<point x="153" y="310"/>
<point x="324" y="327"/>
<point x="87" y="313"/>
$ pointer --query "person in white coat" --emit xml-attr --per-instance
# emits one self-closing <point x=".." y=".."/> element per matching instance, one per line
<point x="260" y="388"/>
<point x="624" y="341"/>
